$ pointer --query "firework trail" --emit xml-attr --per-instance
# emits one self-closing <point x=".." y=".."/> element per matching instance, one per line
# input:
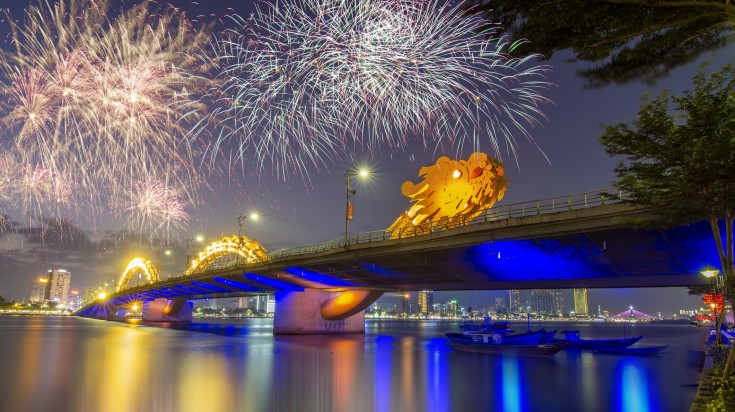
<point x="303" y="81"/>
<point x="108" y="98"/>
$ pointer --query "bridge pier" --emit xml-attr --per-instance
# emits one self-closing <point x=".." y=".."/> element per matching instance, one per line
<point x="314" y="312"/>
<point x="165" y="310"/>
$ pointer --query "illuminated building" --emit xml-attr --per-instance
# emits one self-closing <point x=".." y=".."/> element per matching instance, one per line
<point x="57" y="288"/>
<point x="543" y="301"/>
<point x="580" y="303"/>
<point x="514" y="301"/>
<point x="426" y="301"/>
<point x="38" y="290"/>
<point x="452" y="308"/>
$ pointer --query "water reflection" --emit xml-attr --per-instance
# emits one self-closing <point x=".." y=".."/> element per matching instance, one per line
<point x="383" y="373"/>
<point x="511" y="386"/>
<point x="84" y="365"/>
<point x="437" y="375"/>
<point x="632" y="386"/>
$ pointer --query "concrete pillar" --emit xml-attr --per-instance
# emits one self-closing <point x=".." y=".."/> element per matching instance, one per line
<point x="299" y="313"/>
<point x="164" y="310"/>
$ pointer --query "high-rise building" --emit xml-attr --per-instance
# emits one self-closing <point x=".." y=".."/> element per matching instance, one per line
<point x="558" y="303"/>
<point x="514" y="301"/>
<point x="452" y="309"/>
<point x="426" y="301"/>
<point x="580" y="303"/>
<point x="57" y="287"/>
<point x="543" y="301"/>
<point x="38" y="290"/>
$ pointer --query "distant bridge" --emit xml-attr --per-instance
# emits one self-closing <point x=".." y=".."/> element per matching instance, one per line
<point x="583" y="240"/>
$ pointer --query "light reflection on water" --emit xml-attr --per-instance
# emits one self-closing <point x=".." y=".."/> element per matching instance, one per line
<point x="70" y="364"/>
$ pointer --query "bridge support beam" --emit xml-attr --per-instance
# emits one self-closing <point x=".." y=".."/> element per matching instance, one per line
<point x="165" y="310"/>
<point x="312" y="312"/>
<point x="101" y="311"/>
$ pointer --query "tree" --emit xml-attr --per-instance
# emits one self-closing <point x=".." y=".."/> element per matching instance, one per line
<point x="627" y="39"/>
<point x="682" y="164"/>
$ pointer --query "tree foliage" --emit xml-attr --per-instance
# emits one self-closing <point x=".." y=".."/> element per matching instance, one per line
<point x="626" y="39"/>
<point x="682" y="164"/>
<point x="679" y="160"/>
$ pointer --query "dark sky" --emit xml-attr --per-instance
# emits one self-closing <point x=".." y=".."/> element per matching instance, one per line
<point x="296" y="213"/>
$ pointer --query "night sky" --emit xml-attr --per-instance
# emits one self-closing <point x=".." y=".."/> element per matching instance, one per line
<point x="297" y="212"/>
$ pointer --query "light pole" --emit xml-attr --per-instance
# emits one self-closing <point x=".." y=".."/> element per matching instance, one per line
<point x="241" y="220"/>
<point x="709" y="273"/>
<point x="188" y="242"/>
<point x="160" y="252"/>
<point x="351" y="192"/>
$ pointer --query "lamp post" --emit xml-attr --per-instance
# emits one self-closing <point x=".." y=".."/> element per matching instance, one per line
<point x="188" y="242"/>
<point x="351" y="192"/>
<point x="709" y="273"/>
<point x="241" y="220"/>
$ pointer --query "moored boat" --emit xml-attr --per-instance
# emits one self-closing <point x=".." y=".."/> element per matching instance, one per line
<point x="575" y="341"/>
<point x="634" y="350"/>
<point x="540" y="350"/>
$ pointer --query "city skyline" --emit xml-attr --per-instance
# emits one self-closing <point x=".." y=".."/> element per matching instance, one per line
<point x="299" y="212"/>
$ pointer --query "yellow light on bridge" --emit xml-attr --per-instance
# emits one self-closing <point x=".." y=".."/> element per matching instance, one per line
<point x="102" y="296"/>
<point x="135" y="307"/>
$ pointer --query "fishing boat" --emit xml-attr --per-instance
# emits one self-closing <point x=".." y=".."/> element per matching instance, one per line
<point x="575" y="341"/>
<point x="540" y="350"/>
<point x="634" y="350"/>
<point x="528" y="338"/>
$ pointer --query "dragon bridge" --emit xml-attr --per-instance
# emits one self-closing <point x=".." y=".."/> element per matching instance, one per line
<point x="250" y="251"/>
<point x="138" y="266"/>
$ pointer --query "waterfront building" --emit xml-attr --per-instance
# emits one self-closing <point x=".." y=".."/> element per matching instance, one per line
<point x="57" y="286"/>
<point x="452" y="308"/>
<point x="543" y="301"/>
<point x="38" y="290"/>
<point x="426" y="301"/>
<point x="413" y="308"/>
<point x="514" y="301"/>
<point x="558" y="303"/>
<point x="580" y="303"/>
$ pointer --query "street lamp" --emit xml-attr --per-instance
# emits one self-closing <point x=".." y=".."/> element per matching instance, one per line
<point x="199" y="238"/>
<point x="362" y="173"/>
<point x="242" y="219"/>
<point x="709" y="272"/>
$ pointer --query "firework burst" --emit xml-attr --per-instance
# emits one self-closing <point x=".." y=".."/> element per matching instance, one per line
<point x="154" y="207"/>
<point x="302" y="81"/>
<point x="107" y="98"/>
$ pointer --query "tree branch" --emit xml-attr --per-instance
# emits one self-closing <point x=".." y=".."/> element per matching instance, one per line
<point x="675" y="4"/>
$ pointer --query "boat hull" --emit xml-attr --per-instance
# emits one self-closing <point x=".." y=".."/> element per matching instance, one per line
<point x="543" y="351"/>
<point x="634" y="350"/>
<point x="596" y="344"/>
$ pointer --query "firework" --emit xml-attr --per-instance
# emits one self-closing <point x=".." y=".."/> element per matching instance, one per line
<point x="107" y="98"/>
<point x="156" y="208"/>
<point x="302" y="81"/>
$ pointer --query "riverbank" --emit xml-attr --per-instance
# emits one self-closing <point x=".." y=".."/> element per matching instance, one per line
<point x="705" y="391"/>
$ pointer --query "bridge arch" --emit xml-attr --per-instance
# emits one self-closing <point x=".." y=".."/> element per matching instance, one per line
<point x="250" y="251"/>
<point x="136" y="266"/>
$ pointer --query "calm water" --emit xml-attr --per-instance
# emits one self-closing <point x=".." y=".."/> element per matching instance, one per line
<point x="71" y="364"/>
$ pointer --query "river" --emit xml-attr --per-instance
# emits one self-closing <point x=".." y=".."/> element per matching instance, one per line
<point x="74" y="364"/>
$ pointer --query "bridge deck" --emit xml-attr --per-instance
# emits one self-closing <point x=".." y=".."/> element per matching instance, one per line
<point x="591" y="247"/>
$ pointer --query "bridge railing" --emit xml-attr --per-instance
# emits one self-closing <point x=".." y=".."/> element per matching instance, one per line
<point x="522" y="209"/>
